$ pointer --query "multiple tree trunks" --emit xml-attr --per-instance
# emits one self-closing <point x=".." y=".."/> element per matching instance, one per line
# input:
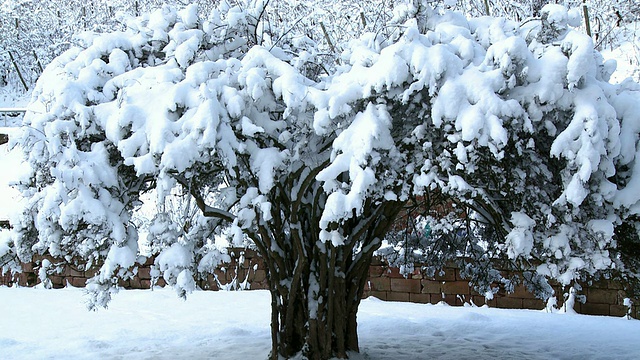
<point x="315" y="311"/>
<point x="316" y="286"/>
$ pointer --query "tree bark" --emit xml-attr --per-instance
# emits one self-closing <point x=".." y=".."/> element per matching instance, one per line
<point x="316" y="287"/>
<point x="316" y="315"/>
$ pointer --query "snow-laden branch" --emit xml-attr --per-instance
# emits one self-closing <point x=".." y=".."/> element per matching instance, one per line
<point x="207" y="210"/>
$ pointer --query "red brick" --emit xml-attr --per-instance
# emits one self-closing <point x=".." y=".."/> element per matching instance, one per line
<point x="222" y="275"/>
<point x="382" y="295"/>
<point x="28" y="267"/>
<point x="56" y="280"/>
<point x="420" y="298"/>
<point x="615" y="285"/>
<point x="137" y="283"/>
<point x="431" y="287"/>
<point x="380" y="284"/>
<point x="405" y="285"/>
<point x="27" y="279"/>
<point x="508" y="303"/>
<point x="534" y="304"/>
<point x="259" y="275"/>
<point x="144" y="273"/>
<point x="91" y="272"/>
<point x="451" y="300"/>
<point x="436" y="298"/>
<point x="260" y="285"/>
<point x="230" y="274"/>
<point x="242" y="274"/>
<point x="467" y="299"/>
<point x="6" y="279"/>
<point x="69" y="271"/>
<point x="456" y="288"/>
<point x="521" y="292"/>
<point x="601" y="296"/>
<point x="394" y="272"/>
<point x="446" y="274"/>
<point x="249" y="254"/>
<point x="617" y="310"/>
<point x="594" y="309"/>
<point x="376" y="271"/>
<point x="599" y="284"/>
<point x="134" y="283"/>
<point x="210" y="283"/>
<point x="397" y="296"/>
<point x="478" y="300"/>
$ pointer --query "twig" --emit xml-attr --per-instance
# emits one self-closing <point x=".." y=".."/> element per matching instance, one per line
<point x="486" y="8"/>
<point x="38" y="61"/>
<point x="326" y="36"/>
<point x="13" y="61"/>
<point x="587" y="23"/>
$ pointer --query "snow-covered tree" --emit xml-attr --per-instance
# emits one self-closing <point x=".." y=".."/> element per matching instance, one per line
<point x="312" y="159"/>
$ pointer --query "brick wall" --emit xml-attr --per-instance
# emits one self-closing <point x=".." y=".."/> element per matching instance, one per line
<point x="385" y="283"/>
<point x="245" y="266"/>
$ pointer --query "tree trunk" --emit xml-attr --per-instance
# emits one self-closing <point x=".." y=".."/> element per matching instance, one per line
<point x="316" y="287"/>
<point x="314" y="308"/>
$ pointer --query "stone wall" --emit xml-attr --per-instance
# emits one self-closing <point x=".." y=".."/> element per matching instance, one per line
<point x="247" y="270"/>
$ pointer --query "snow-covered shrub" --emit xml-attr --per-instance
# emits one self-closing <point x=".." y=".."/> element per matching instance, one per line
<point x="512" y="136"/>
<point x="535" y="138"/>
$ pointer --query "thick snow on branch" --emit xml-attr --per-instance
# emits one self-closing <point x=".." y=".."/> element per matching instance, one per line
<point x="520" y="123"/>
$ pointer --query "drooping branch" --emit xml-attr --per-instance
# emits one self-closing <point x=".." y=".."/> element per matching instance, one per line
<point x="207" y="210"/>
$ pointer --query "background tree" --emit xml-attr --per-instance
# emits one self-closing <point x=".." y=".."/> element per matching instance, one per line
<point x="513" y="130"/>
<point x="35" y="32"/>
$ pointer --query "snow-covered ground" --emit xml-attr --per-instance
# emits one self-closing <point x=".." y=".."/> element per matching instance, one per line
<point x="144" y="324"/>
<point x="11" y="97"/>
<point x="626" y="53"/>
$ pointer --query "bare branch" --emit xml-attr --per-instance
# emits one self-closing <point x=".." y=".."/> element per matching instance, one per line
<point x="207" y="210"/>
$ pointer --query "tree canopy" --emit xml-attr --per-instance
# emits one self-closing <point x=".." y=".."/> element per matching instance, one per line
<point x="514" y="130"/>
